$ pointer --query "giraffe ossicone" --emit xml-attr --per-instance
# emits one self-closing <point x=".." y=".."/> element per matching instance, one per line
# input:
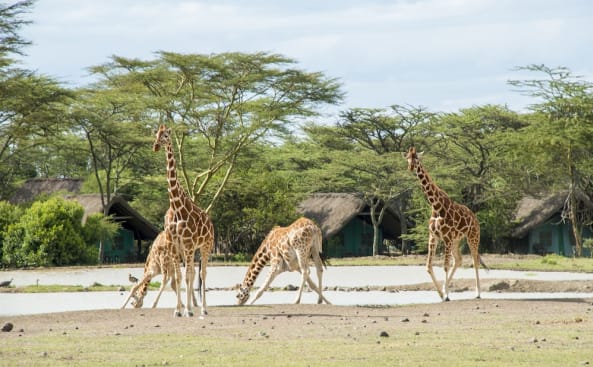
<point x="449" y="222"/>
<point x="289" y="248"/>
<point x="189" y="226"/>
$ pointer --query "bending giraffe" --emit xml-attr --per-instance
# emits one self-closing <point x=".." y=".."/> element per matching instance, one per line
<point x="163" y="258"/>
<point x="449" y="222"/>
<point x="287" y="249"/>
<point x="189" y="226"/>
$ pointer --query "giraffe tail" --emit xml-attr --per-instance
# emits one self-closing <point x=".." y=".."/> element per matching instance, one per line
<point x="483" y="263"/>
<point x="324" y="259"/>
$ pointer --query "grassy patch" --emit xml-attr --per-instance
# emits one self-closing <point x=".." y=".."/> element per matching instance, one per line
<point x="481" y="344"/>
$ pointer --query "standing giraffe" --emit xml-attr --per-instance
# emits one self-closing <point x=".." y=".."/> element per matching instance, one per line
<point x="163" y="258"/>
<point x="190" y="227"/>
<point x="287" y="249"/>
<point x="449" y="222"/>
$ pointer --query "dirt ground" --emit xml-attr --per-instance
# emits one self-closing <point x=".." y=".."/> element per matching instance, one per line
<point x="258" y="317"/>
<point x="281" y="321"/>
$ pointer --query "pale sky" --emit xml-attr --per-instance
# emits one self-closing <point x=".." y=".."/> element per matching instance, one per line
<point x="441" y="54"/>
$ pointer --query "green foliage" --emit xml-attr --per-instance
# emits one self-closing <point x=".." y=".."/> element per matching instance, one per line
<point x="222" y="102"/>
<point x="9" y="214"/>
<point x="99" y="228"/>
<point x="49" y="233"/>
<point x="249" y="208"/>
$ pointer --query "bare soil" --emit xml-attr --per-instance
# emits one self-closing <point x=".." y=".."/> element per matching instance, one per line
<point x="141" y="321"/>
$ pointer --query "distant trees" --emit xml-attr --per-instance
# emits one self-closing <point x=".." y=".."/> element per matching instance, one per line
<point x="561" y="136"/>
<point x="31" y="106"/>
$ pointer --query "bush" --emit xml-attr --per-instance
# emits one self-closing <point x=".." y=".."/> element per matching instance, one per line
<point x="49" y="233"/>
<point x="9" y="214"/>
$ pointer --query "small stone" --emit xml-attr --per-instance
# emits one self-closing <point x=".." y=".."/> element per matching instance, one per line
<point x="384" y="334"/>
<point x="405" y="319"/>
<point x="426" y="314"/>
<point x="7" y="327"/>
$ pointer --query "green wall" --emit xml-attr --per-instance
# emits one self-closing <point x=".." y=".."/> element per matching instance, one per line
<point x="355" y="239"/>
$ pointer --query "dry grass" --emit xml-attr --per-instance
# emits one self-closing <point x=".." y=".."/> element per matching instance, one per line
<point x="461" y="333"/>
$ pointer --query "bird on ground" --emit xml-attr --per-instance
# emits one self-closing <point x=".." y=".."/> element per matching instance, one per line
<point x="132" y="278"/>
<point x="6" y="283"/>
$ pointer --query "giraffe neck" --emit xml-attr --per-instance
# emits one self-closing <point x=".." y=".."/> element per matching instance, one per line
<point x="143" y="289"/>
<point x="177" y="196"/>
<point x="260" y="259"/>
<point x="436" y="197"/>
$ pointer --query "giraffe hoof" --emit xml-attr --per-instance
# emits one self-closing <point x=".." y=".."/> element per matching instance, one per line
<point x="446" y="299"/>
<point x="176" y="314"/>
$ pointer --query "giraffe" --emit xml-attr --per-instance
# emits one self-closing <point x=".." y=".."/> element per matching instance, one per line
<point x="287" y="249"/>
<point x="163" y="258"/>
<point x="189" y="226"/>
<point x="449" y="222"/>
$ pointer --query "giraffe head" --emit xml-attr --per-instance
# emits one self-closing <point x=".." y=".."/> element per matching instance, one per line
<point x="163" y="137"/>
<point x="413" y="158"/>
<point x="242" y="295"/>
<point x="138" y="298"/>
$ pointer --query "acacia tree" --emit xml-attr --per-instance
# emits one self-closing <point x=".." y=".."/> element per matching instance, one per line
<point x="111" y="132"/>
<point x="561" y="131"/>
<point x="31" y="106"/>
<point x="365" y="155"/>
<point x="474" y="148"/>
<point x="220" y="104"/>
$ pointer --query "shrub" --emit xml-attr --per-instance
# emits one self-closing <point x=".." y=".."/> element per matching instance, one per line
<point x="49" y="233"/>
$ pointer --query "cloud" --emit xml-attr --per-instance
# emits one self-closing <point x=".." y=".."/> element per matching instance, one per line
<point x="441" y="52"/>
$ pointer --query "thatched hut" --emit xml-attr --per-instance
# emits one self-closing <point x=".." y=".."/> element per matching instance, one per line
<point x="540" y="228"/>
<point x="344" y="219"/>
<point x="134" y="227"/>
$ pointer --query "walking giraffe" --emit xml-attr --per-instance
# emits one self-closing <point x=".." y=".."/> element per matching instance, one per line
<point x="189" y="226"/>
<point x="163" y="258"/>
<point x="287" y="249"/>
<point x="449" y="222"/>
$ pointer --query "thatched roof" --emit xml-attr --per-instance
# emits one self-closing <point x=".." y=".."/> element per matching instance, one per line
<point x="120" y="211"/>
<point x="535" y="210"/>
<point x="118" y="208"/>
<point x="332" y="211"/>
<point x="35" y="187"/>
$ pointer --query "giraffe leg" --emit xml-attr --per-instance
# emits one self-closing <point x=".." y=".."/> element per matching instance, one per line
<point x="275" y="269"/>
<point x="432" y="247"/>
<point x="473" y="246"/>
<point x="319" y="268"/>
<point x="202" y="280"/>
<point x="304" y="277"/>
<point x="176" y="285"/>
<point x="190" y="274"/>
<point x="163" y="285"/>
<point x="457" y="259"/>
